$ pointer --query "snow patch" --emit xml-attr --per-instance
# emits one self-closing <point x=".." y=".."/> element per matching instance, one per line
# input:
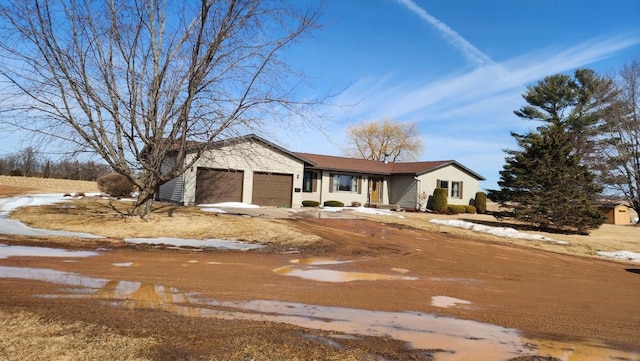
<point x="228" y="205"/>
<point x="213" y="210"/>
<point x="622" y="255"/>
<point x="14" y="227"/>
<point x="496" y="231"/>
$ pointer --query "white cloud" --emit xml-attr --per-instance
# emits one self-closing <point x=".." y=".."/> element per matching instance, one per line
<point x="486" y="90"/>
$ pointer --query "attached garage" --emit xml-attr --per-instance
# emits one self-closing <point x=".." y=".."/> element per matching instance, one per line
<point x="271" y="189"/>
<point x="218" y="185"/>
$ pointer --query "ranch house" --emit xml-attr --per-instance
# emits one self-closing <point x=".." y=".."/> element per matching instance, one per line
<point x="250" y="169"/>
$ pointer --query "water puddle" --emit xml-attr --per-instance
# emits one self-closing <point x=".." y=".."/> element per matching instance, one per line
<point x="26" y="251"/>
<point x="195" y="243"/>
<point x="458" y="339"/>
<point x="318" y="261"/>
<point x="327" y="275"/>
<point x="446" y="302"/>
<point x="122" y="264"/>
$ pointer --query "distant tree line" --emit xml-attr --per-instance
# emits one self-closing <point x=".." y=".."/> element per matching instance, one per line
<point x="28" y="162"/>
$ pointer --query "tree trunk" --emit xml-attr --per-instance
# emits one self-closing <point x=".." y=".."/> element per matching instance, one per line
<point x="144" y="205"/>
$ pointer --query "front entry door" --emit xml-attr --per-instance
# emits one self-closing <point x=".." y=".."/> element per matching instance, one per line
<point x="375" y="190"/>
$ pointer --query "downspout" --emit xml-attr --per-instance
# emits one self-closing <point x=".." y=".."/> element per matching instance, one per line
<point x="418" y="188"/>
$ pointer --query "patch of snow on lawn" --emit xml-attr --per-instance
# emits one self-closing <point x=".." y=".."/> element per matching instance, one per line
<point x="195" y="243"/>
<point x="14" y="227"/>
<point x="496" y="231"/>
<point x="623" y="255"/>
<point x="228" y="205"/>
<point x="213" y="210"/>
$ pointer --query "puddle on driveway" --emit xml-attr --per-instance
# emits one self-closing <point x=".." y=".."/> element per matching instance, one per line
<point x="458" y="339"/>
<point x="326" y="275"/>
<point x="318" y="261"/>
<point x="446" y="302"/>
<point x="305" y="268"/>
<point x="26" y="251"/>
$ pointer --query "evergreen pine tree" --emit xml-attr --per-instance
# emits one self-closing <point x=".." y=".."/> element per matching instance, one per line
<point x="547" y="185"/>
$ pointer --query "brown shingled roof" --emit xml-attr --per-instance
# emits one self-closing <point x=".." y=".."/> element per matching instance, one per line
<point x="343" y="164"/>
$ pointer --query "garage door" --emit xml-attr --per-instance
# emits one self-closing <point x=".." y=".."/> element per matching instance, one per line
<point x="272" y="189"/>
<point x="218" y="185"/>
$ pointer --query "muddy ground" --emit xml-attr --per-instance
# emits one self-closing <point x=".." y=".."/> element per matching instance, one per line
<point x="543" y="295"/>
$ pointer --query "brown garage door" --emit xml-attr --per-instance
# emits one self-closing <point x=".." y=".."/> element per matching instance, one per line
<point x="272" y="189"/>
<point x="218" y="185"/>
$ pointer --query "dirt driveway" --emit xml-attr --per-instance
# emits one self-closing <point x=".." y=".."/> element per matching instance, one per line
<point x="267" y="305"/>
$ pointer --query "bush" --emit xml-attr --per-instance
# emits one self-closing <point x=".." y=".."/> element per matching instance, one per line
<point x="356" y="204"/>
<point x="17" y="173"/>
<point x="480" y="202"/>
<point x="440" y="200"/>
<point x="469" y="209"/>
<point x="115" y="185"/>
<point x="333" y="204"/>
<point x="310" y="203"/>
<point x="455" y="209"/>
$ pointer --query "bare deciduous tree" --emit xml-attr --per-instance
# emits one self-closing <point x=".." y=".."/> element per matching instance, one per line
<point x="384" y="140"/>
<point x="137" y="80"/>
<point x="29" y="160"/>
<point x="619" y="165"/>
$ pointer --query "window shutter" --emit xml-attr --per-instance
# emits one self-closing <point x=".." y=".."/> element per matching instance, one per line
<point x="437" y="183"/>
<point x="359" y="185"/>
<point x="314" y="182"/>
<point x="461" y="197"/>
<point x="330" y="183"/>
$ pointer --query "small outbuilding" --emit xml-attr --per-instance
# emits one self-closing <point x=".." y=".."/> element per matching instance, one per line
<point x="616" y="213"/>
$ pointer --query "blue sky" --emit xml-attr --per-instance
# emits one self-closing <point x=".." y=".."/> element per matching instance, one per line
<point x="457" y="68"/>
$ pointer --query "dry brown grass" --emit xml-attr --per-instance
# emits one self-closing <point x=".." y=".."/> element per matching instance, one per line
<point x="606" y="238"/>
<point x="44" y="185"/>
<point x="108" y="218"/>
<point x="25" y="336"/>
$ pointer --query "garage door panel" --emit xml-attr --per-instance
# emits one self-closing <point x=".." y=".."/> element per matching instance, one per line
<point x="218" y="185"/>
<point x="271" y="189"/>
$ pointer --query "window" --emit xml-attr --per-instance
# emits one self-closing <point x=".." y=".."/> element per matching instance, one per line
<point x="345" y="183"/>
<point x="443" y="184"/>
<point x="456" y="189"/>
<point x="309" y="179"/>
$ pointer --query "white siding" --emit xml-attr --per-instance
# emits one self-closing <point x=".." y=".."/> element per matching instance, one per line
<point x="451" y="173"/>
<point x="249" y="157"/>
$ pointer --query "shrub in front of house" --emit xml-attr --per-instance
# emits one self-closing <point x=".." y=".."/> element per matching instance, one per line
<point x="115" y="185"/>
<point x="440" y="200"/>
<point x="480" y="202"/>
<point x="310" y="203"/>
<point x="333" y="204"/>
<point x="469" y="209"/>
<point x="356" y="204"/>
<point x="455" y="209"/>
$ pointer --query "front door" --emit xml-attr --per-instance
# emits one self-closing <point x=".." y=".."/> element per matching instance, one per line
<point x="375" y="190"/>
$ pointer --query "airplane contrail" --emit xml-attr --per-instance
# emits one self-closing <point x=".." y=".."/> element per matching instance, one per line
<point x="471" y="52"/>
